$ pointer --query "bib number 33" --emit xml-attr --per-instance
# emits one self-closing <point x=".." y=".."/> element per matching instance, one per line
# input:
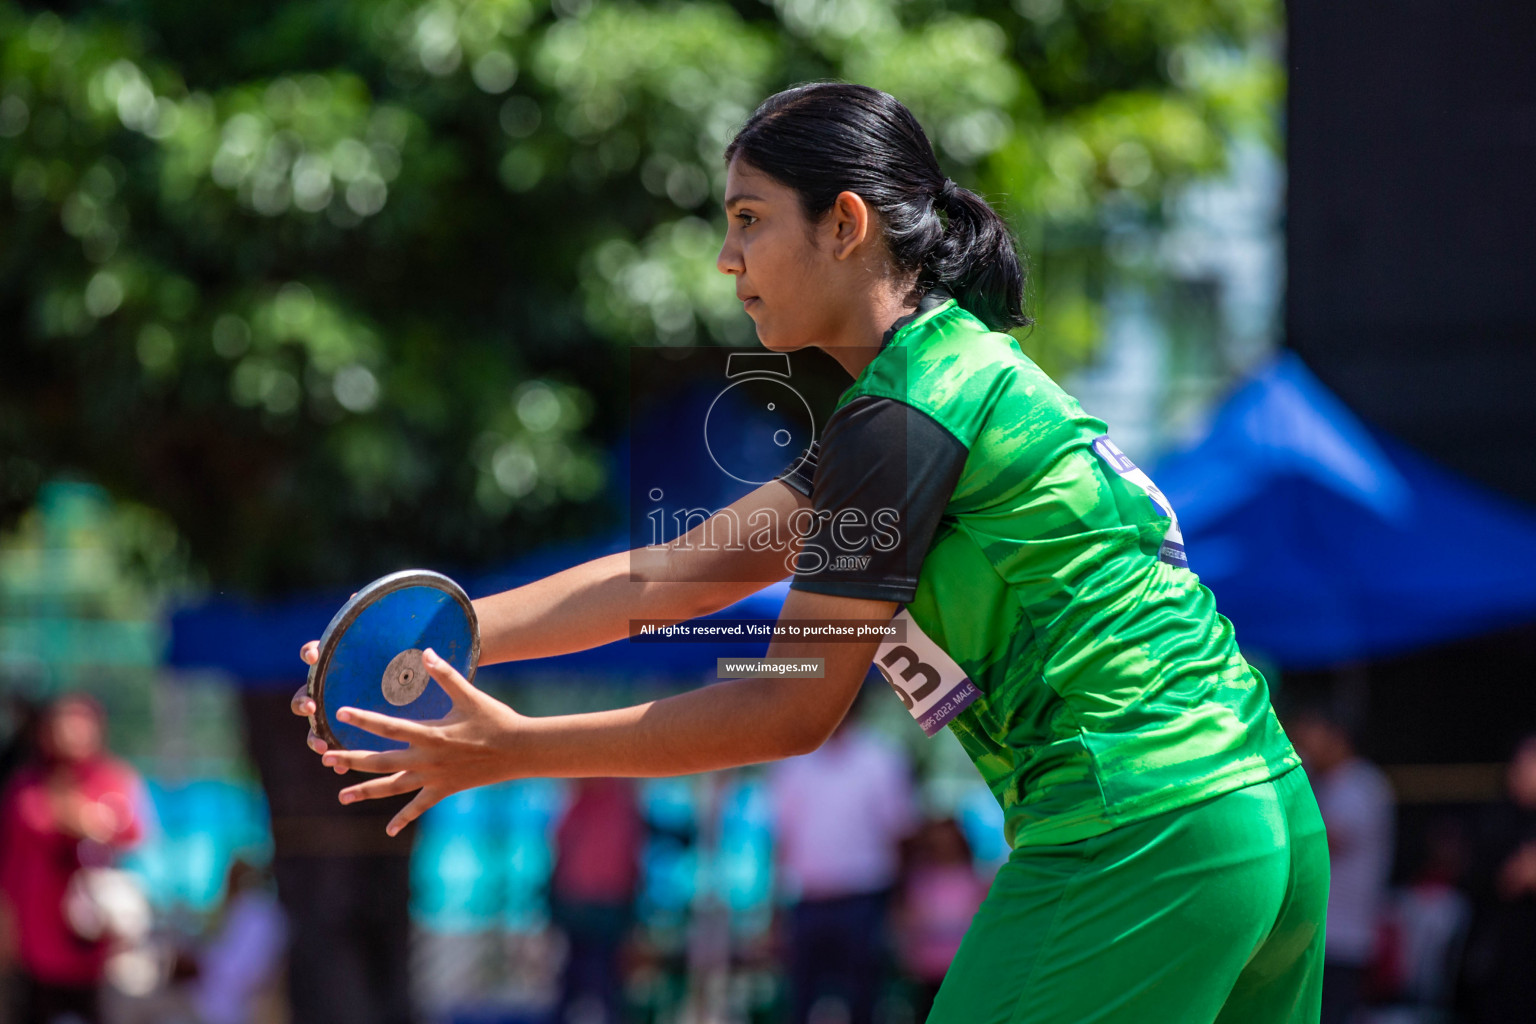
<point x="929" y="682"/>
<point x="1172" y="550"/>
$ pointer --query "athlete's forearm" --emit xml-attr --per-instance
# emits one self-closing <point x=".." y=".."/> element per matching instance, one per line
<point x="737" y="722"/>
<point x="701" y="572"/>
<point x="589" y="605"/>
<point x="725" y="725"/>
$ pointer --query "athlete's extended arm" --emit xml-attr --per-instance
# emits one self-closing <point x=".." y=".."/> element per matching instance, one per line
<point x="723" y="725"/>
<point x="709" y="567"/>
<point x="732" y="554"/>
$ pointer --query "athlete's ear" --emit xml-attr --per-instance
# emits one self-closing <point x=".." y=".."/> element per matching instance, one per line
<point x="850" y="221"/>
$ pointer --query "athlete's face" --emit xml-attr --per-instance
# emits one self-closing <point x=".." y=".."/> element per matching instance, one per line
<point x="789" y="271"/>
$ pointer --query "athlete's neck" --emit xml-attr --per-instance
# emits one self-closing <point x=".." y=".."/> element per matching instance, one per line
<point x="862" y="332"/>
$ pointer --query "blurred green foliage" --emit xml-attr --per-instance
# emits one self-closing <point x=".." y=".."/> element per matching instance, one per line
<point x="81" y="577"/>
<point x="345" y="284"/>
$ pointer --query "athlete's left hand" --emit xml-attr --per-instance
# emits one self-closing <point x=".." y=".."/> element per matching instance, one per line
<point x="470" y="746"/>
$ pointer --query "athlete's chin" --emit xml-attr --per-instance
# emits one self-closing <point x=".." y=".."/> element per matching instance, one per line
<point x="776" y="339"/>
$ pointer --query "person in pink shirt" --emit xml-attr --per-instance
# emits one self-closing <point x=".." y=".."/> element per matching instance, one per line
<point x="592" y="894"/>
<point x="840" y="815"/>
<point x="72" y="806"/>
<point x="939" y="894"/>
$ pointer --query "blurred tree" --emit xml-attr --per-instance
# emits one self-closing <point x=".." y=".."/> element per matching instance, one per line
<point x="344" y="284"/>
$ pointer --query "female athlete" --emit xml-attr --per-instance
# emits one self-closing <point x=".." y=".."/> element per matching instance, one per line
<point x="1168" y="862"/>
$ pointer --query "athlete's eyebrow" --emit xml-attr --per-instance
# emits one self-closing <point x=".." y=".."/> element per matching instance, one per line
<point x="741" y="197"/>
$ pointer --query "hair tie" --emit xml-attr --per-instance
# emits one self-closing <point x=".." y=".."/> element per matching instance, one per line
<point x="948" y="190"/>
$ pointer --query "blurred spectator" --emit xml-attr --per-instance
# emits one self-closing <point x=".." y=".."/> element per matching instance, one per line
<point x="234" y="975"/>
<point x="840" y="814"/>
<point x="1357" y="805"/>
<point x="592" y="894"/>
<point x="67" y="811"/>
<point x="16" y="751"/>
<point x="939" y="895"/>
<point x="243" y="958"/>
<point x="1499" y="973"/>
<point x="1425" y="928"/>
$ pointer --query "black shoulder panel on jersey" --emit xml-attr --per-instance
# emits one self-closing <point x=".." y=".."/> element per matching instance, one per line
<point x="880" y="480"/>
<point x="802" y="475"/>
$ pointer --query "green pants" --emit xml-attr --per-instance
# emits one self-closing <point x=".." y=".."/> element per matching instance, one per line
<point x="1212" y="914"/>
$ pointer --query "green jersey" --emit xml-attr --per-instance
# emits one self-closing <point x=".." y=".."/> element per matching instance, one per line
<point x="1051" y="619"/>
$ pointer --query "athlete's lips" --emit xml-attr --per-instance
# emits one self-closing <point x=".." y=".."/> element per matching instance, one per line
<point x="747" y="300"/>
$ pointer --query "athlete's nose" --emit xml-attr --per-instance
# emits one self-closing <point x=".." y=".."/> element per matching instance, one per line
<point x="729" y="260"/>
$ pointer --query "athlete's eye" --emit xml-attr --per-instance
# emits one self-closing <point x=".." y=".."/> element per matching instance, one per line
<point x="747" y="219"/>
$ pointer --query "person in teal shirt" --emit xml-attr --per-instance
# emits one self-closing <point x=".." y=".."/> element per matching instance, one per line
<point x="1168" y="859"/>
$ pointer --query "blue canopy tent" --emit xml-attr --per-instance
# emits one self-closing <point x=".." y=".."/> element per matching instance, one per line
<point x="1325" y="542"/>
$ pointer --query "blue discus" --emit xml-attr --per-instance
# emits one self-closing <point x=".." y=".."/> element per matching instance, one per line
<point x="370" y="655"/>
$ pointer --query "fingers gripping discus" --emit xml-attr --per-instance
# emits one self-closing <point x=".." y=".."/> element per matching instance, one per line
<point x="371" y="655"/>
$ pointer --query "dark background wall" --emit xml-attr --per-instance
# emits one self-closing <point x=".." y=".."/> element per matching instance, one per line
<point x="1412" y="293"/>
<point x="1412" y="222"/>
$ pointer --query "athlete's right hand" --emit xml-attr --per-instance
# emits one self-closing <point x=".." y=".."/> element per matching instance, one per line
<point x="303" y="705"/>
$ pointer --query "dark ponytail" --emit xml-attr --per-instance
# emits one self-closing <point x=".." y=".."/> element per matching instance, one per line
<point x="828" y="137"/>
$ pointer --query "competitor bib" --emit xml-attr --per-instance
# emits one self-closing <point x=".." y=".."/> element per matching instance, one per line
<point x="1172" y="550"/>
<point x="929" y="682"/>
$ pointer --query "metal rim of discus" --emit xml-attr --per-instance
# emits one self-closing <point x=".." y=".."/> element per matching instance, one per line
<point x="361" y="602"/>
